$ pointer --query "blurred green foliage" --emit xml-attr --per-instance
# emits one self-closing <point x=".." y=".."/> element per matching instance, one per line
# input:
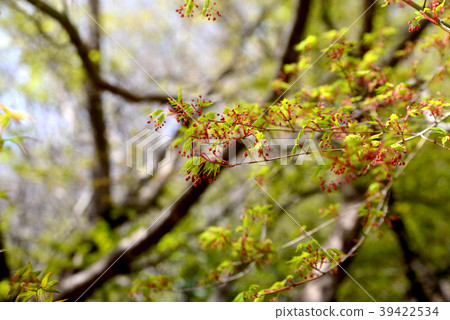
<point x="43" y="227"/>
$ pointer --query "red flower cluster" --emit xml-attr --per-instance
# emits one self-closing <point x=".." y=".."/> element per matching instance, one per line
<point x="188" y="9"/>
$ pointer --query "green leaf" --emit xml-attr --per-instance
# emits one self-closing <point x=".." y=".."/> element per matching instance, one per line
<point x="352" y="139"/>
<point x="376" y="136"/>
<point x="3" y="195"/>
<point x="260" y="136"/>
<point x="52" y="283"/>
<point x="445" y="139"/>
<point x="397" y="146"/>
<point x="49" y="298"/>
<point x="439" y="130"/>
<point x="301" y="246"/>
<point x="361" y="73"/>
<point x="45" y="279"/>
<point x="260" y="298"/>
<point x="309" y="43"/>
<point x="211" y="115"/>
<point x="207" y="103"/>
<point x="156" y="113"/>
<point x="25" y="296"/>
<point x="239" y="297"/>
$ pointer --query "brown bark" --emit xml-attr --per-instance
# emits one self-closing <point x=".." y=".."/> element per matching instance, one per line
<point x="101" y="200"/>
<point x="416" y="291"/>
<point x="80" y="286"/>
<point x="326" y="15"/>
<point x="367" y="24"/>
<point x="290" y="55"/>
<point x="424" y="282"/>
<point x="4" y="269"/>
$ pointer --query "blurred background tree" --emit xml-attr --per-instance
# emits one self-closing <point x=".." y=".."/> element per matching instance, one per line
<point x="74" y="208"/>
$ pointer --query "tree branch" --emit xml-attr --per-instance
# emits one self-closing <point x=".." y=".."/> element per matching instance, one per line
<point x="143" y="195"/>
<point x="4" y="269"/>
<point x="81" y="285"/>
<point x="101" y="184"/>
<point x="325" y="15"/>
<point x="89" y="66"/>
<point x="424" y="282"/>
<point x="441" y="23"/>
<point x="409" y="38"/>
<point x="367" y="25"/>
<point x="290" y="55"/>
<point x="410" y="258"/>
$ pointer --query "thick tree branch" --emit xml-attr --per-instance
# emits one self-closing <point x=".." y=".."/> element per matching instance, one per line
<point x="4" y="269"/>
<point x="424" y="282"/>
<point x="101" y="204"/>
<point x="89" y="66"/>
<point x="290" y="55"/>
<point x="143" y="195"/>
<point x="325" y="15"/>
<point x="118" y="261"/>
<point x="101" y="184"/>
<point x="417" y="290"/>
<point x="367" y="25"/>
